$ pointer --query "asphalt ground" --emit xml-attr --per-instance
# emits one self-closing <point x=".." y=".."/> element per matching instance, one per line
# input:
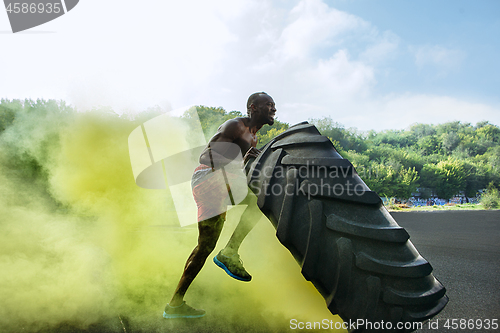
<point x="463" y="247"/>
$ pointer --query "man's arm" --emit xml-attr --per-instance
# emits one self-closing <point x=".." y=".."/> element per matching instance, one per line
<point x="222" y="148"/>
<point x="252" y="152"/>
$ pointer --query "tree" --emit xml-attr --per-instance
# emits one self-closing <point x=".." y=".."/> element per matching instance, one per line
<point x="493" y="155"/>
<point x="388" y="181"/>
<point x="421" y="130"/>
<point x="490" y="198"/>
<point x="394" y="138"/>
<point x="489" y="132"/>
<point x="477" y="177"/>
<point x="211" y="118"/>
<point x="8" y="111"/>
<point x="266" y="133"/>
<point x="447" y="177"/>
<point x="429" y="145"/>
<point x="347" y="139"/>
<point x="450" y="141"/>
<point x="270" y="134"/>
<point x="447" y="158"/>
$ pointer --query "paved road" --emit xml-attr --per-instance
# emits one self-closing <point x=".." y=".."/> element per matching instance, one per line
<point x="464" y="249"/>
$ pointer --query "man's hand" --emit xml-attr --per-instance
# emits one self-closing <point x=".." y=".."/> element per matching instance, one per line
<point x="252" y="152"/>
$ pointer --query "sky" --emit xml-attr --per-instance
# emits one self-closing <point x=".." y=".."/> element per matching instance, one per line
<point x="366" y="64"/>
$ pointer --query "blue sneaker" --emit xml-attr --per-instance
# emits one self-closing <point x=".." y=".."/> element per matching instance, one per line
<point x="233" y="266"/>
<point x="182" y="311"/>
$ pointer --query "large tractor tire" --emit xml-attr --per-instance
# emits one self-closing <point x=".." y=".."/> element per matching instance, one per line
<point x="348" y="245"/>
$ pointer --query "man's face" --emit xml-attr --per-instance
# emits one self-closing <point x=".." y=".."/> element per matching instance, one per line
<point x="265" y="109"/>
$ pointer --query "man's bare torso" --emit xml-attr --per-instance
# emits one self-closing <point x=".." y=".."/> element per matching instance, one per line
<point x="236" y="131"/>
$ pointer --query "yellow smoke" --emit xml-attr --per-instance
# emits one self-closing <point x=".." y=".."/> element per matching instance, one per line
<point x="82" y="245"/>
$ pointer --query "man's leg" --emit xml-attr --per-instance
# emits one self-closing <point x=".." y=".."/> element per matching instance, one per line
<point x="209" y="232"/>
<point x="228" y="258"/>
<point x="251" y="215"/>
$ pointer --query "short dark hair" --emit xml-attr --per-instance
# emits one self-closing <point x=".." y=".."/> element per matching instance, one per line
<point x="252" y="98"/>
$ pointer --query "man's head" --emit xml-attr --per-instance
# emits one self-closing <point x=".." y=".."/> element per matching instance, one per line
<point x="261" y="106"/>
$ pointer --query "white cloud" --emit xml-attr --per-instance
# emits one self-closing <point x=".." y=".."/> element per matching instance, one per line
<point x="437" y="56"/>
<point x="127" y="55"/>
<point x="313" y="59"/>
<point x="285" y="61"/>
<point x="383" y="47"/>
<point x="191" y="52"/>
<point x="338" y="78"/>
<point x="312" y="24"/>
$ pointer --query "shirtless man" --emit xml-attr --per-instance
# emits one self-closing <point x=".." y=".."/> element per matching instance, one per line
<point x="241" y="131"/>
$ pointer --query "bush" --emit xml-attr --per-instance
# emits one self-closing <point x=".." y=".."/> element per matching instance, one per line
<point x="490" y="199"/>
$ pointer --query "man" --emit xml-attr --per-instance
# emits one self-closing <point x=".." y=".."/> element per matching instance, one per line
<point x="209" y="195"/>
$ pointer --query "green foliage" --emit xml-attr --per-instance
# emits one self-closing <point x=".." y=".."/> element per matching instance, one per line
<point x="394" y="138"/>
<point x="490" y="199"/>
<point x="270" y="134"/>
<point x="345" y="139"/>
<point x="493" y="157"/>
<point x="211" y="118"/>
<point x="476" y="147"/>
<point x="8" y="111"/>
<point x="429" y="145"/>
<point x="29" y="131"/>
<point x="446" y="159"/>
<point x="385" y="153"/>
<point x="448" y="177"/>
<point x="450" y="141"/>
<point x="266" y="133"/>
<point x="489" y="133"/>
<point x="391" y="181"/>
<point x="422" y="130"/>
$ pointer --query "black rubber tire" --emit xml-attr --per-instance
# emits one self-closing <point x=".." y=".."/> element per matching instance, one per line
<point x="348" y="245"/>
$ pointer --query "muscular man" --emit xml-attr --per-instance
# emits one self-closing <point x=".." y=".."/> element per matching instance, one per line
<point x="242" y="132"/>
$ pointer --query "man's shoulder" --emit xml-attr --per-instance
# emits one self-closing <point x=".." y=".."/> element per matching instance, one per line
<point x="238" y="123"/>
<point x="234" y="128"/>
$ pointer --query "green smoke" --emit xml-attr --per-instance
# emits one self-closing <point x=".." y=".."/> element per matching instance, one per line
<point x="83" y="248"/>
